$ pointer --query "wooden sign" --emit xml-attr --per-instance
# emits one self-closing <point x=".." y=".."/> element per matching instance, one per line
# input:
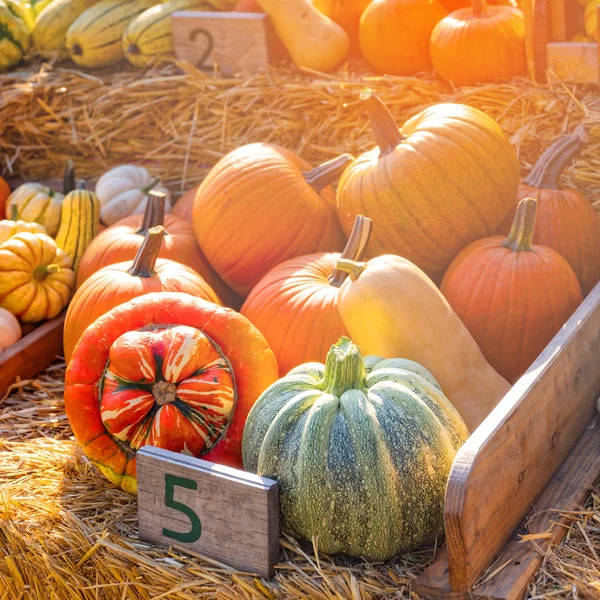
<point x="238" y="43"/>
<point x="216" y="511"/>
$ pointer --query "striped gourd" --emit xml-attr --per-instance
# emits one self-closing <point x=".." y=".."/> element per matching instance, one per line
<point x="37" y="203"/>
<point x="15" y="36"/>
<point x="150" y="35"/>
<point x="23" y="10"/>
<point x="39" y="5"/>
<point x="79" y="223"/>
<point x="95" y="38"/>
<point x="52" y="23"/>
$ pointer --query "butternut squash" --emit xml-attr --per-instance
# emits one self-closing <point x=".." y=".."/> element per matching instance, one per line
<point x="391" y="308"/>
<point x="313" y="40"/>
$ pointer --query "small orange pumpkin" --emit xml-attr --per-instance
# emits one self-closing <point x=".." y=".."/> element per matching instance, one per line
<point x="4" y="194"/>
<point x="184" y="207"/>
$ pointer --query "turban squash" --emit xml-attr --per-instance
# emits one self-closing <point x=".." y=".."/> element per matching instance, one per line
<point x="165" y="369"/>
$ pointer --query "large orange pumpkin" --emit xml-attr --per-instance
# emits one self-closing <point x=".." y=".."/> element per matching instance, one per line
<point x="512" y="295"/>
<point x="566" y="220"/>
<point x="295" y="305"/>
<point x="479" y="44"/>
<point x="394" y="34"/>
<point x="165" y="369"/>
<point x="260" y="205"/>
<point x="452" y="5"/>
<point x="117" y="283"/>
<point x="447" y="178"/>
<point x="4" y="194"/>
<point x="346" y="13"/>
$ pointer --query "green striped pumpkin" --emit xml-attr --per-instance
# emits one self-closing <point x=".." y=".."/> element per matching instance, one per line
<point x="15" y="35"/>
<point x="95" y="38"/>
<point x="361" y="449"/>
<point x="36" y="203"/>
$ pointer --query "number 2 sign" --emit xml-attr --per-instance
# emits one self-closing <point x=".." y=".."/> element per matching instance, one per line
<point x="222" y="513"/>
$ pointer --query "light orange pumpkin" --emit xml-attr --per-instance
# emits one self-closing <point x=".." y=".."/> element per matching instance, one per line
<point x="346" y="13"/>
<point x="260" y="205"/>
<point x="10" y="330"/>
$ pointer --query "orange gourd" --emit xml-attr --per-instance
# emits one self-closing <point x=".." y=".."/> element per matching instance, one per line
<point x="479" y="44"/>
<point x="346" y="13"/>
<point x="394" y="34"/>
<point x="4" y="194"/>
<point x="260" y="205"/>
<point x="512" y="295"/>
<point x="295" y="305"/>
<point x="566" y="220"/>
<point x="118" y="283"/>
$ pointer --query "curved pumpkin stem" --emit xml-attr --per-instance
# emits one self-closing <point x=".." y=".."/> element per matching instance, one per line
<point x="523" y="227"/>
<point x="327" y="173"/>
<point x="352" y="268"/>
<point x="344" y="369"/>
<point x="385" y="129"/>
<point x="546" y="172"/>
<point x="357" y="242"/>
<point x="145" y="259"/>
<point x="479" y="8"/>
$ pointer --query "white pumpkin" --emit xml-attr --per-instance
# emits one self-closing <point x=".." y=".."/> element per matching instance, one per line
<point x="10" y="330"/>
<point x="123" y="191"/>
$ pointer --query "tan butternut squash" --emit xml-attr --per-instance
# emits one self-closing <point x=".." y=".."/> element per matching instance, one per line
<point x="391" y="308"/>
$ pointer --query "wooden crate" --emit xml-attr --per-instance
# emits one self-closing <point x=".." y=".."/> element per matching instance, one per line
<point x="549" y="25"/>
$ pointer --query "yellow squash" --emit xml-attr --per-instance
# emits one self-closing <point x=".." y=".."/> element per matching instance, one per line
<point x="37" y="203"/>
<point x="9" y="229"/>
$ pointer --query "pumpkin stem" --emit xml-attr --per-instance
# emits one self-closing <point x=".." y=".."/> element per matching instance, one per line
<point x="357" y="242"/>
<point x="344" y="369"/>
<point x="523" y="227"/>
<point x="149" y="187"/>
<point x="479" y="8"/>
<point x="164" y="392"/>
<point x="547" y="170"/>
<point x="80" y="184"/>
<point x="351" y="267"/>
<point x="327" y="173"/>
<point x="69" y="177"/>
<point x="386" y="132"/>
<point x="14" y="212"/>
<point x="158" y="200"/>
<point x="145" y="259"/>
<point x="41" y="273"/>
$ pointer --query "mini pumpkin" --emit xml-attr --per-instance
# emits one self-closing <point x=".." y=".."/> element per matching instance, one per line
<point x="10" y="228"/>
<point x="10" y="330"/>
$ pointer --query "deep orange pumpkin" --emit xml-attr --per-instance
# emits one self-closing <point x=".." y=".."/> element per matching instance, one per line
<point x="512" y="296"/>
<point x="115" y="284"/>
<point x="566" y="220"/>
<point x="166" y="349"/>
<point x="295" y="305"/>
<point x="260" y="205"/>
<point x="183" y="208"/>
<point x="452" y="5"/>
<point x="346" y="13"/>
<point x="4" y="194"/>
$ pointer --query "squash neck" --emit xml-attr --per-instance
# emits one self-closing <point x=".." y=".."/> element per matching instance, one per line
<point x="154" y="213"/>
<point x="355" y="247"/>
<point x="479" y="9"/>
<point x="327" y="173"/>
<point x="546" y="172"/>
<point x="344" y="369"/>
<point x="386" y="132"/>
<point x="523" y="227"/>
<point x="145" y="259"/>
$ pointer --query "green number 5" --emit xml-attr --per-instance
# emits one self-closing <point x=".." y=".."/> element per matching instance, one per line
<point x="194" y="534"/>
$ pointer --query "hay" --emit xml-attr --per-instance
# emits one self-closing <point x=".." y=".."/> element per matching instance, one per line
<point x="66" y="533"/>
<point x="179" y="121"/>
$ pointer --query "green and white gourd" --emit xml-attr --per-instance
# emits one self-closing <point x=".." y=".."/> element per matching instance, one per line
<point x="362" y="450"/>
<point x="15" y="34"/>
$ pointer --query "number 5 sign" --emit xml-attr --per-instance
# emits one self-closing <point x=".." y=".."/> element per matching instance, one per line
<point x="222" y="513"/>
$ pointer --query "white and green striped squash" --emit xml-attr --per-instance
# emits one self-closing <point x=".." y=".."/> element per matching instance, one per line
<point x="362" y="450"/>
<point x="36" y="203"/>
<point x="15" y="35"/>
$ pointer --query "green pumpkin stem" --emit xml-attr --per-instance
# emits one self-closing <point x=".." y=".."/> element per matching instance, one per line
<point x="355" y="247"/>
<point x="479" y="8"/>
<point x="41" y="273"/>
<point x="14" y="212"/>
<point x="69" y="177"/>
<point x="327" y="173"/>
<point x="80" y="184"/>
<point x="523" y="227"/>
<point x="546" y="172"/>
<point x="385" y="129"/>
<point x="344" y="369"/>
<point x="145" y="259"/>
<point x="352" y="268"/>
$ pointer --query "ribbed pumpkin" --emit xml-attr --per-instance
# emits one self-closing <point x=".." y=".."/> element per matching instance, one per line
<point x="447" y="178"/>
<point x="36" y="279"/>
<point x="184" y="207"/>
<point x="452" y="5"/>
<point x="121" y="242"/>
<point x="512" y="295"/>
<point x="566" y="220"/>
<point x="479" y="44"/>
<point x="261" y="205"/>
<point x="9" y="229"/>
<point x="120" y="282"/>
<point x="165" y="369"/>
<point x="361" y="450"/>
<point x="346" y="13"/>
<point x="295" y="305"/>
<point x="4" y="194"/>
<point x="37" y="203"/>
<point x="394" y="34"/>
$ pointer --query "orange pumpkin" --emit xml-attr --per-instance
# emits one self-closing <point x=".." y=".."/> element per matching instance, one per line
<point x="184" y="207"/>
<point x="346" y="13"/>
<point x="260" y="205"/>
<point x="479" y="44"/>
<point x="4" y="194"/>
<point x="394" y="34"/>
<point x="295" y="306"/>
<point x="512" y="295"/>
<point x="247" y="6"/>
<point x="117" y="283"/>
<point x="452" y="5"/>
<point x="566" y="220"/>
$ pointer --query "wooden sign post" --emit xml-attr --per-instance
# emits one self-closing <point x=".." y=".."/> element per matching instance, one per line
<point x="217" y="511"/>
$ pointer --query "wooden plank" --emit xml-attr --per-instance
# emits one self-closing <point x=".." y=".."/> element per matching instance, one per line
<point x="216" y="511"/>
<point x="509" y="460"/>
<point x="32" y="353"/>
<point x="568" y="490"/>
<point x="574" y="61"/>
<point x="239" y="43"/>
